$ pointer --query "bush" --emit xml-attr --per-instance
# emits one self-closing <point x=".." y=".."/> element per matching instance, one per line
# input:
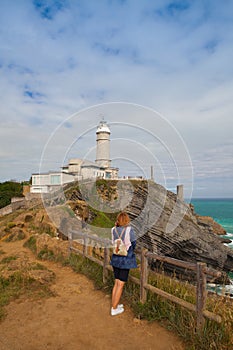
<point x="31" y="244"/>
<point x="8" y="190"/>
<point x="46" y="254"/>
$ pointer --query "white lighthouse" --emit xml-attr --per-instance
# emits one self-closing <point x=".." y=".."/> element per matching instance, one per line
<point x="103" y="145"/>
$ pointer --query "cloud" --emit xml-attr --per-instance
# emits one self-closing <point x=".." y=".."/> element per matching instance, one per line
<point x="58" y="57"/>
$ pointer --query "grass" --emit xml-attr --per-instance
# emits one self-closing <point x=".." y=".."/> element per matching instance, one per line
<point x="89" y="268"/>
<point x="46" y="254"/>
<point x="42" y="228"/>
<point x="7" y="259"/>
<point x="180" y="320"/>
<point x="20" y="284"/>
<point x="103" y="220"/>
<point x="31" y="244"/>
<point x="37" y="266"/>
<point x="15" y="236"/>
<point x="11" y="225"/>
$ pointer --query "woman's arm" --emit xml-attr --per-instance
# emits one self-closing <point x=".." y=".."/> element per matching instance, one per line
<point x="133" y="244"/>
<point x="133" y="238"/>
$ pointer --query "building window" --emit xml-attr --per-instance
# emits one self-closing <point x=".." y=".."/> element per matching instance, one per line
<point x="55" y="179"/>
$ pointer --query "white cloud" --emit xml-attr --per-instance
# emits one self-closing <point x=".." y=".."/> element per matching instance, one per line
<point x="58" y="57"/>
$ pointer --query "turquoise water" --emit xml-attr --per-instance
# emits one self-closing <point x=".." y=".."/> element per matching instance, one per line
<point x="221" y="210"/>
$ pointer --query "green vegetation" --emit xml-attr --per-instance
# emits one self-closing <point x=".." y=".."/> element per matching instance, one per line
<point x="20" y="284"/>
<point x="87" y="267"/>
<point x="180" y="320"/>
<point x="31" y="244"/>
<point x="97" y="218"/>
<point x="37" y="266"/>
<point x="8" y="190"/>
<point x="15" y="236"/>
<point x="10" y="225"/>
<point x="103" y="220"/>
<point x="46" y="254"/>
<point x="4" y="220"/>
<point x="7" y="259"/>
<point x="42" y="227"/>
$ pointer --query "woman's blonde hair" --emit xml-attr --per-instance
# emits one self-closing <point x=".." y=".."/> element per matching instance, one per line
<point x="122" y="219"/>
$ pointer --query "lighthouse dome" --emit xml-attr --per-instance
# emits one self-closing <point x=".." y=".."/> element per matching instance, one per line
<point x="103" y="127"/>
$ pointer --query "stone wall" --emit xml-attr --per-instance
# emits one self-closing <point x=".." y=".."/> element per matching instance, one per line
<point x="31" y="200"/>
<point x="6" y="210"/>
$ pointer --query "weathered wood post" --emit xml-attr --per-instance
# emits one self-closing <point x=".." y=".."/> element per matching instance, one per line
<point x="106" y="261"/>
<point x="70" y="239"/>
<point x="200" y="295"/>
<point x="85" y="245"/>
<point x="143" y="276"/>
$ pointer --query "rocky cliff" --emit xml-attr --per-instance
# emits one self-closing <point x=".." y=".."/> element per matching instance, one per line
<point x="175" y="230"/>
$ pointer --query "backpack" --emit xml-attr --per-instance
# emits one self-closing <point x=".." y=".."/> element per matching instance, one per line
<point x="119" y="247"/>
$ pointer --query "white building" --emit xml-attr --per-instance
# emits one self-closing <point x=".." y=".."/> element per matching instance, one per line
<point x="79" y="169"/>
<point x="45" y="182"/>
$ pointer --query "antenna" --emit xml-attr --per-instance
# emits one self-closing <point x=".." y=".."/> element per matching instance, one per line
<point x="101" y="116"/>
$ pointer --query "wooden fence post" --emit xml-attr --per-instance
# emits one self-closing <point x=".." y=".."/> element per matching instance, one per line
<point x="70" y="239"/>
<point x="200" y="295"/>
<point x="106" y="261"/>
<point x="85" y="245"/>
<point x="143" y="276"/>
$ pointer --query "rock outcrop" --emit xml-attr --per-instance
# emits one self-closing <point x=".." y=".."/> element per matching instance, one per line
<point x="208" y="224"/>
<point x="167" y="226"/>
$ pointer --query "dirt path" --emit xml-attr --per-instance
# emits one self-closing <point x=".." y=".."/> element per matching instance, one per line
<point x="78" y="317"/>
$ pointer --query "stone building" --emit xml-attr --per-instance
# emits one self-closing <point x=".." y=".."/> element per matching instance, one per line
<point x="80" y="169"/>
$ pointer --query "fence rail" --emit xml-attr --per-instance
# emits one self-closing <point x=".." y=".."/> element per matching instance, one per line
<point x="200" y="268"/>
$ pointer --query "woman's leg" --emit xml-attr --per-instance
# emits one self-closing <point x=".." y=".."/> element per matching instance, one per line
<point x="117" y="292"/>
<point x="114" y="290"/>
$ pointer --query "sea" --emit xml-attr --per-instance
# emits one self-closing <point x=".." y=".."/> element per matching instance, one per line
<point x="221" y="210"/>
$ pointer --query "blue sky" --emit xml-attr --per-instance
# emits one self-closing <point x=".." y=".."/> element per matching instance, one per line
<point x="60" y="57"/>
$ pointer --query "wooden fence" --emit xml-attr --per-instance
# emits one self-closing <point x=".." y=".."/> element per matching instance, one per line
<point x="202" y="271"/>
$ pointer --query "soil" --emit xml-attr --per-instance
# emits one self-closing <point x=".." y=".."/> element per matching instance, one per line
<point x="76" y="317"/>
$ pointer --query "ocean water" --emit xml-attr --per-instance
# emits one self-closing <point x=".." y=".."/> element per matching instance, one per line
<point x="221" y="210"/>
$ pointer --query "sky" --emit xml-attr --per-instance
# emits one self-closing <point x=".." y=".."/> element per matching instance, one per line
<point x="146" y="66"/>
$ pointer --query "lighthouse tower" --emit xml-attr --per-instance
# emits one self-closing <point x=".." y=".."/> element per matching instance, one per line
<point x="103" y="145"/>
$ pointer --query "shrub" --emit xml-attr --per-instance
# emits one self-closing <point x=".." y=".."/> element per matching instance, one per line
<point x="31" y="244"/>
<point x="8" y="190"/>
<point x="46" y="254"/>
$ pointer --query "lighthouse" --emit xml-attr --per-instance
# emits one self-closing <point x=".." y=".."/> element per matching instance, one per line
<point x="103" y="145"/>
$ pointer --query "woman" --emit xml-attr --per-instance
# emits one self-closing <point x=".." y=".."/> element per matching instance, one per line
<point x="122" y="264"/>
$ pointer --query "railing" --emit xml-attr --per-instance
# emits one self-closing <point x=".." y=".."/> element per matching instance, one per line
<point x="200" y="268"/>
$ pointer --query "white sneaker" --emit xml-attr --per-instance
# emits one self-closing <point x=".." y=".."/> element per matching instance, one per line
<point x="120" y="306"/>
<point x="116" y="311"/>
